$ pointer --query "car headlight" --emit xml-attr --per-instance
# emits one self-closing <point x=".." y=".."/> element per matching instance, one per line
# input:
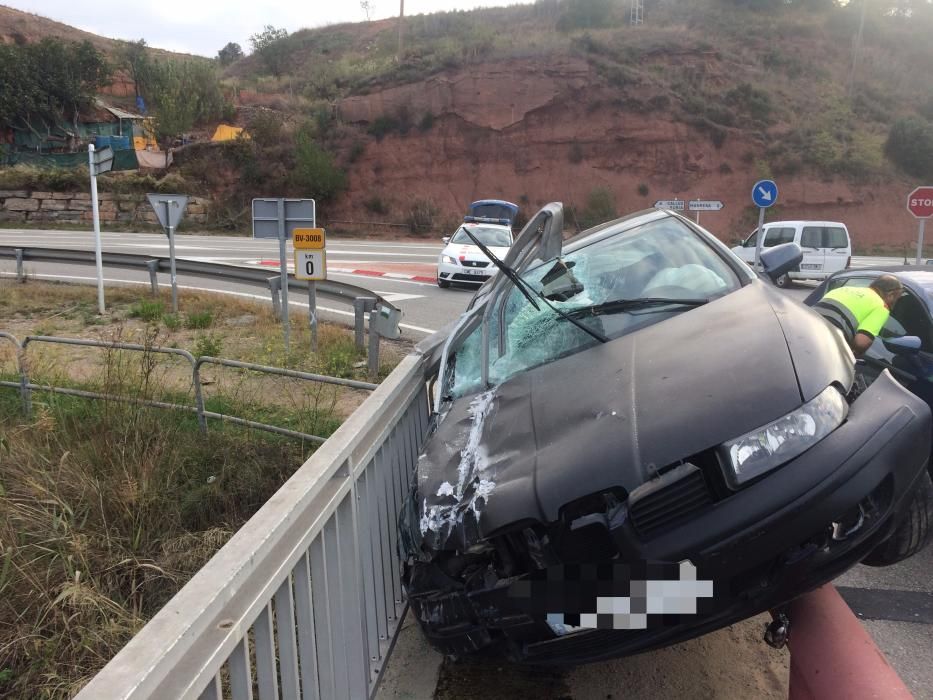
<point x="762" y="450"/>
<point x="448" y="260"/>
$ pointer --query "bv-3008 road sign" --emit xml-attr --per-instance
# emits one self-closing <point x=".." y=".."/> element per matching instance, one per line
<point x="309" y="238"/>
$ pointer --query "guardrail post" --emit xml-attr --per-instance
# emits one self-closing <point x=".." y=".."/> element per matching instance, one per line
<point x="20" y="277"/>
<point x="275" y="284"/>
<point x="153" y="266"/>
<point x="24" y="378"/>
<point x="198" y="396"/>
<point x="373" y="355"/>
<point x="361" y="306"/>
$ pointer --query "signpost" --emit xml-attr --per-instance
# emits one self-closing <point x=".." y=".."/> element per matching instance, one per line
<point x="278" y="218"/>
<point x="698" y="205"/>
<point x="920" y="204"/>
<point x="672" y="204"/>
<point x="310" y="264"/>
<point x="169" y="208"/>
<point x="764" y="195"/>
<point x="98" y="162"/>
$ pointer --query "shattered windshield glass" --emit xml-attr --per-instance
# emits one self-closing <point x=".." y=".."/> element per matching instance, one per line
<point x="662" y="267"/>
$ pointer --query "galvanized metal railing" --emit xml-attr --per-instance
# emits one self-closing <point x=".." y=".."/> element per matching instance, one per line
<point x="26" y="387"/>
<point x="309" y="587"/>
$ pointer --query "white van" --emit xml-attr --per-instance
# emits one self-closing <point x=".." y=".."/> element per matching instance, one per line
<point x="826" y="247"/>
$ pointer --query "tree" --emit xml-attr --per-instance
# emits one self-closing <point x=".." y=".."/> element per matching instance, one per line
<point x="910" y="146"/>
<point x="185" y="94"/>
<point x="315" y="171"/>
<point x="367" y="7"/>
<point x="134" y="57"/>
<point x="271" y="47"/>
<point x="229" y="53"/>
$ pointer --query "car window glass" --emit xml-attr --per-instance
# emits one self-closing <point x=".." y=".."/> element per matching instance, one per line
<point x="660" y="259"/>
<point x="488" y="236"/>
<point x="835" y="237"/>
<point x="778" y="235"/>
<point x="858" y="281"/>
<point x="914" y="319"/>
<point x="811" y="237"/>
<point x="751" y="241"/>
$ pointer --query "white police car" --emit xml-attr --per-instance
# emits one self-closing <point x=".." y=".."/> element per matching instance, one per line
<point x="462" y="261"/>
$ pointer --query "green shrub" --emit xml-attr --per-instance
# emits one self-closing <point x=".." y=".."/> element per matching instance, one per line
<point x="147" y="310"/>
<point x="207" y="344"/>
<point x="382" y="125"/>
<point x="643" y="189"/>
<point x="315" y="171"/>
<point x="751" y="101"/>
<point x="575" y="154"/>
<point x="171" y="321"/>
<point x="584" y="14"/>
<point x="600" y="207"/>
<point x="199" y="319"/>
<point x="376" y="205"/>
<point x="421" y="215"/>
<point x="910" y="146"/>
<point x="426" y="123"/>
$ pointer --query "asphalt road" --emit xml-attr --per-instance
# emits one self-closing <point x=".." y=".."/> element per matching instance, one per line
<point x="895" y="604"/>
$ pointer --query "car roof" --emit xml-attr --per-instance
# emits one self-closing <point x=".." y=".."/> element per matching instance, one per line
<point x="805" y="222"/>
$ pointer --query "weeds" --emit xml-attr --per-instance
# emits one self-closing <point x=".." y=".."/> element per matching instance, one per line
<point x="171" y="321"/>
<point x="147" y="310"/>
<point x="199" y="320"/>
<point x="207" y="344"/>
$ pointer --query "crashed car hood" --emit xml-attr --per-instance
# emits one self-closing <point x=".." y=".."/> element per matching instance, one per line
<point x="611" y="415"/>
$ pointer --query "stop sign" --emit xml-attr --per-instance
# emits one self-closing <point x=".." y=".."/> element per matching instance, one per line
<point x="920" y="202"/>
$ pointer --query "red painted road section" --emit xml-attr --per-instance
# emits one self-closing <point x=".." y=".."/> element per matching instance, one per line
<point x="832" y="655"/>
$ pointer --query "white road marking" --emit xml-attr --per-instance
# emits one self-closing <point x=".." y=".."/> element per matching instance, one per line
<point x="245" y="295"/>
<point x="398" y="296"/>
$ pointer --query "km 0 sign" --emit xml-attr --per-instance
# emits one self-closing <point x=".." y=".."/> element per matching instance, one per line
<point x="920" y="202"/>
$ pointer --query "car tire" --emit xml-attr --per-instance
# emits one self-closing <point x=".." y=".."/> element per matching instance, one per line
<point x="443" y="284"/>
<point x="913" y="534"/>
<point x="783" y="282"/>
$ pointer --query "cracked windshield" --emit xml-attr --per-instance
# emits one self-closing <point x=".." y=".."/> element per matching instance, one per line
<point x="612" y="287"/>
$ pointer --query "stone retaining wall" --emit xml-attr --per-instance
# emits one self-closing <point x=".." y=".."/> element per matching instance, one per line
<point x="20" y="206"/>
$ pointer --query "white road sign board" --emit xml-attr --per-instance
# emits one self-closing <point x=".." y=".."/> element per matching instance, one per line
<point x="310" y="264"/>
<point x="705" y="205"/>
<point x="672" y="204"/>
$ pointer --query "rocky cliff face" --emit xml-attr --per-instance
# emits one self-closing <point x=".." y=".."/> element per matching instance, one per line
<point x="534" y="131"/>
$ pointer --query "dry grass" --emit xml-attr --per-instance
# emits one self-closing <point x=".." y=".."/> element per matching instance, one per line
<point x="106" y="509"/>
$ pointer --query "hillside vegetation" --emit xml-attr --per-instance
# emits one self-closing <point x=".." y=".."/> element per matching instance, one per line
<point x="705" y="97"/>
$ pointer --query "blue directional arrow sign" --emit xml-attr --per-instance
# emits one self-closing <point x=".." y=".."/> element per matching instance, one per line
<point x="765" y="193"/>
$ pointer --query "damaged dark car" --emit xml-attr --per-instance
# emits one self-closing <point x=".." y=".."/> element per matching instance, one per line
<point x="636" y="440"/>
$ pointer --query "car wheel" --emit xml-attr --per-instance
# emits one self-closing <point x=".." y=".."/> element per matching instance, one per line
<point x="443" y="284"/>
<point x="912" y="534"/>
<point x="783" y="282"/>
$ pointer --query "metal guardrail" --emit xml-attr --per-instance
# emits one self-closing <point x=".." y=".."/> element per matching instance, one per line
<point x="26" y="387"/>
<point x="309" y="587"/>
<point x="361" y="299"/>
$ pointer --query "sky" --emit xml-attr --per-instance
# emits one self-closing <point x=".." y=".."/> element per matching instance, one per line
<point x="203" y="27"/>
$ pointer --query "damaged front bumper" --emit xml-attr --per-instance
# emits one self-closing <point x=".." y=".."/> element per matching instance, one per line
<point x="760" y="547"/>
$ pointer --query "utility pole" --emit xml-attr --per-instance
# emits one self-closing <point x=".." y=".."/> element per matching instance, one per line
<point x="857" y="48"/>
<point x="637" y="14"/>
<point x="401" y="28"/>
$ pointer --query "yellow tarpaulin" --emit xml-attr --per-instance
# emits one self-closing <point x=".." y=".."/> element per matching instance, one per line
<point x="225" y="132"/>
<point x="144" y="143"/>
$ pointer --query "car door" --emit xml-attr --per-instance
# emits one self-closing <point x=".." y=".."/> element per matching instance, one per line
<point x="837" y="248"/>
<point x="915" y="371"/>
<point x="811" y="243"/>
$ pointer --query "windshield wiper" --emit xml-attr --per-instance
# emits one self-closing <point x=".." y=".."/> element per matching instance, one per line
<point x="530" y="293"/>
<point x="619" y="305"/>
<point x="505" y="269"/>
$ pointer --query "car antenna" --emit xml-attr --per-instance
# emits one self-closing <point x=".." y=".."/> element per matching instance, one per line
<point x="523" y="288"/>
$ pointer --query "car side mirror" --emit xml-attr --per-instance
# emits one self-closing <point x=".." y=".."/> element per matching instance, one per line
<point x="904" y="345"/>
<point x="446" y="240"/>
<point x="781" y="259"/>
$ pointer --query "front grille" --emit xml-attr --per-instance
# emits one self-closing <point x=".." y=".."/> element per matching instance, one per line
<point x="474" y="263"/>
<point x="460" y="277"/>
<point x="662" y="503"/>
